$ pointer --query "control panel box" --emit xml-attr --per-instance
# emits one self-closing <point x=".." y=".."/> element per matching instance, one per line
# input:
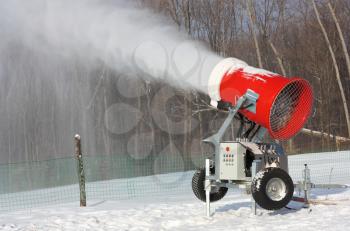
<point x="231" y="161"/>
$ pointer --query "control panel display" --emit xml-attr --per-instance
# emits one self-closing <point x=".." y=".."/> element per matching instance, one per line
<point x="232" y="161"/>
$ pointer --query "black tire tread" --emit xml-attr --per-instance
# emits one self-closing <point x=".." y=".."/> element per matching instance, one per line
<point x="198" y="180"/>
<point x="259" y="188"/>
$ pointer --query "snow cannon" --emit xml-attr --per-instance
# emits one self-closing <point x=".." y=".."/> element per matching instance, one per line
<point x="263" y="102"/>
<point x="283" y="105"/>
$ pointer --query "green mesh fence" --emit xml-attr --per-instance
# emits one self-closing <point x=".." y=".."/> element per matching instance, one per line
<point x="121" y="177"/>
<point x="35" y="175"/>
<point x="25" y="185"/>
<point x="32" y="184"/>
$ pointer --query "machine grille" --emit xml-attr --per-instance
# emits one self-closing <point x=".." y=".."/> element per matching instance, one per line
<point x="291" y="109"/>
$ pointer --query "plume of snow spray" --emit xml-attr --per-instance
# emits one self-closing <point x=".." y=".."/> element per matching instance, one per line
<point x="114" y="32"/>
<point x="51" y="53"/>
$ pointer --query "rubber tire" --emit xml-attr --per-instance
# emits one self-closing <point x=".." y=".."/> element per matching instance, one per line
<point x="198" y="181"/>
<point x="259" y="188"/>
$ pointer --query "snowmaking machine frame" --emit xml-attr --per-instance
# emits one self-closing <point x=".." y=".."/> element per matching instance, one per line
<point x="237" y="162"/>
<point x="248" y="163"/>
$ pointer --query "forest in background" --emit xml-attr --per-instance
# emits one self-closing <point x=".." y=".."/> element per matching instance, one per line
<point x="121" y="113"/>
<point x="304" y="38"/>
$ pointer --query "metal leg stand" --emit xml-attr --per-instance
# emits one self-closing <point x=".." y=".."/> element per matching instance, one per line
<point x="254" y="171"/>
<point x="307" y="185"/>
<point x="207" y="186"/>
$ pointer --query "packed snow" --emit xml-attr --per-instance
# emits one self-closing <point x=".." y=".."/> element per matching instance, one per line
<point x="184" y="212"/>
<point x="181" y="213"/>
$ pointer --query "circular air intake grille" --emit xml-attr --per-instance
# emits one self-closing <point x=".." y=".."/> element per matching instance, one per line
<point x="290" y="109"/>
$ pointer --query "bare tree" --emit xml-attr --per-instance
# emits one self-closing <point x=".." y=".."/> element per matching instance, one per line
<point x="250" y="11"/>
<point x="341" y="36"/>
<point x="335" y="64"/>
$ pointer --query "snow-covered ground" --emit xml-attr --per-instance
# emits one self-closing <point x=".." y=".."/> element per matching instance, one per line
<point x="184" y="212"/>
<point x="181" y="213"/>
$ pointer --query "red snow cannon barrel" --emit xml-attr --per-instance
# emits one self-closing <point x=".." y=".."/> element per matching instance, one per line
<point x="283" y="106"/>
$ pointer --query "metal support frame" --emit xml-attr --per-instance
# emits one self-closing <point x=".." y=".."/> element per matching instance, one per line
<point x="246" y="101"/>
<point x="254" y="171"/>
<point x="207" y="186"/>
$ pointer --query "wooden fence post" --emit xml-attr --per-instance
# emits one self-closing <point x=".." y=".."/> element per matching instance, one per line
<point x="80" y="168"/>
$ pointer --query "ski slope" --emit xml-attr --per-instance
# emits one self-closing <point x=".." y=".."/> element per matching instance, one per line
<point x="181" y="213"/>
<point x="184" y="212"/>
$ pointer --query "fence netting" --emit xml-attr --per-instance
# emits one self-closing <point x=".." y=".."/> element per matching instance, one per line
<point x="121" y="177"/>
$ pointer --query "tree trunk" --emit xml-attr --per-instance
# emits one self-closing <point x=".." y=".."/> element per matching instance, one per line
<point x="187" y="15"/>
<point x="278" y="57"/>
<point x="251" y="24"/>
<point x="341" y="36"/>
<point x="173" y="13"/>
<point x="342" y="93"/>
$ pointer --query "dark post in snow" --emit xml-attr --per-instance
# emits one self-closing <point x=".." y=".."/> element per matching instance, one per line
<point x="80" y="168"/>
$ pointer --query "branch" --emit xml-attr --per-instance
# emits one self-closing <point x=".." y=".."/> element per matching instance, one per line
<point x="324" y="134"/>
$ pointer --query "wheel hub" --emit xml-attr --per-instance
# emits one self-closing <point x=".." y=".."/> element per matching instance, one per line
<point x="276" y="189"/>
